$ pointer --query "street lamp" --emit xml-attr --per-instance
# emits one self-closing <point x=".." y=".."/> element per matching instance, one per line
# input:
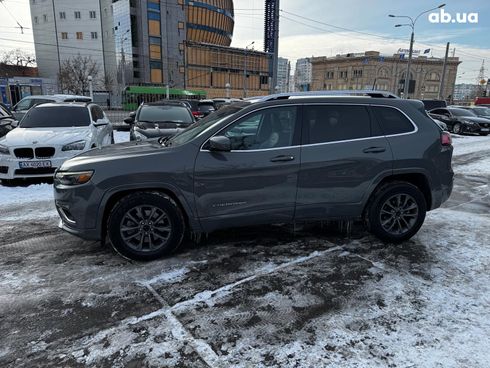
<point x="411" y="25"/>
<point x="90" y="87"/>
<point x="228" y="87"/>
<point x="245" y="70"/>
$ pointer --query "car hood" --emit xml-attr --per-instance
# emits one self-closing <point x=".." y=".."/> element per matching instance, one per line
<point x="46" y="136"/>
<point x="114" y="152"/>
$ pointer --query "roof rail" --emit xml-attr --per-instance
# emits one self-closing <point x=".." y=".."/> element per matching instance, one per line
<point x="292" y="95"/>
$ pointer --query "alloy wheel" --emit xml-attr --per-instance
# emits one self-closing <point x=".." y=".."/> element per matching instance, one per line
<point x="399" y="214"/>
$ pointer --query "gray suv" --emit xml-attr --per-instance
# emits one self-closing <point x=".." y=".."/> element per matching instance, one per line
<point x="287" y="159"/>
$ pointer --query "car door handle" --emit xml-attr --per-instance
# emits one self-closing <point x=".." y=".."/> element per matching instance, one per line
<point x="374" y="150"/>
<point x="282" y="158"/>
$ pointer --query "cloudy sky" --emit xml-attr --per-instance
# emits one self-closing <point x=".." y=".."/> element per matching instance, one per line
<point x="329" y="27"/>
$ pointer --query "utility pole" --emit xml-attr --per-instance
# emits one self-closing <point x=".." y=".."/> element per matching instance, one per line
<point x="123" y="66"/>
<point x="245" y="67"/>
<point x="271" y="40"/>
<point x="441" y="86"/>
<point x="407" y="73"/>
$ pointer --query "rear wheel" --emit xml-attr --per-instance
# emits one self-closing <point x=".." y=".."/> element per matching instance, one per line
<point x="396" y="212"/>
<point x="457" y="128"/>
<point x="145" y="226"/>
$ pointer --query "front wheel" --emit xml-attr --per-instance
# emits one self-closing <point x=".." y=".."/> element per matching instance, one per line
<point x="396" y="212"/>
<point x="145" y="226"/>
<point x="457" y="128"/>
<point x="484" y="134"/>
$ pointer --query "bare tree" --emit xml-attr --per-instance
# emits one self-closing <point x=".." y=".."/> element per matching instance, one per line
<point x="18" y="57"/>
<point x="74" y="73"/>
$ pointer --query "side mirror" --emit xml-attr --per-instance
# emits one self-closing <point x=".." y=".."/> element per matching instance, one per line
<point x="132" y="114"/>
<point x="220" y="143"/>
<point x="15" y="123"/>
<point x="129" y="120"/>
<point x="100" y="122"/>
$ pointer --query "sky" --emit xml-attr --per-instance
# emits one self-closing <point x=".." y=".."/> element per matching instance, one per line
<point x="330" y="27"/>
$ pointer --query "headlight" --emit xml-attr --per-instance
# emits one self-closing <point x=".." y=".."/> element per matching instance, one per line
<point x="74" y="178"/>
<point x="4" y="150"/>
<point x="74" y="146"/>
<point x="469" y="122"/>
<point x="139" y="136"/>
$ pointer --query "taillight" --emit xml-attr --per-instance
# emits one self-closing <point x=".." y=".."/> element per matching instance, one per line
<point x="446" y="139"/>
<point x="197" y="114"/>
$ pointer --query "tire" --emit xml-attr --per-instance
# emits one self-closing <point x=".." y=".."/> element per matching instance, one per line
<point x="484" y="134"/>
<point x="457" y="128"/>
<point x="132" y="226"/>
<point x="396" y="212"/>
<point x="112" y="138"/>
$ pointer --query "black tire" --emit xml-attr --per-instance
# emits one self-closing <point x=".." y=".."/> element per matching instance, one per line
<point x="407" y="208"/>
<point x="141" y="239"/>
<point x="112" y="138"/>
<point x="457" y="129"/>
<point x="484" y="134"/>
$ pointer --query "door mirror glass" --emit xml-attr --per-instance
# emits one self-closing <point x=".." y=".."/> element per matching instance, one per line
<point x="100" y="122"/>
<point x="220" y="143"/>
<point x="129" y="120"/>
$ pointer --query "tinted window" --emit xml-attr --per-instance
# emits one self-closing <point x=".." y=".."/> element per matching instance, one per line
<point x="331" y="123"/>
<point x="56" y="117"/>
<point x="206" y="107"/>
<point x="439" y="112"/>
<point x="392" y="121"/>
<point x="462" y="112"/>
<point x="197" y="128"/>
<point x="268" y="128"/>
<point x="23" y="105"/>
<point x="165" y="113"/>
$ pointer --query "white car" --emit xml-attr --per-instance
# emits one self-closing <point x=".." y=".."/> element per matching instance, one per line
<point x="48" y="135"/>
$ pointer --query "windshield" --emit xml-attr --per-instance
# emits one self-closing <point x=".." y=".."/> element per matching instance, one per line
<point x="178" y="114"/>
<point x="206" y="107"/>
<point x="481" y="111"/>
<point x="462" y="112"/>
<point x="56" y="117"/>
<point x="197" y="128"/>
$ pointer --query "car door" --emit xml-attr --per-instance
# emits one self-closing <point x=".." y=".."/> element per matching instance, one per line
<point x="256" y="181"/>
<point x="343" y="154"/>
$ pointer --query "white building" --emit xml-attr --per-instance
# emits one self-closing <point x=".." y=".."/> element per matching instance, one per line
<point x="465" y="91"/>
<point x="303" y="74"/>
<point x="65" y="28"/>
<point x="283" y="71"/>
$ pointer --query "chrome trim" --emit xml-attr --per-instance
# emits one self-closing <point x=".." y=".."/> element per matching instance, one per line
<point x="416" y="128"/>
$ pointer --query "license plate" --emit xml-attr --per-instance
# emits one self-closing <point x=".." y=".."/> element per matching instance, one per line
<point x="34" y="164"/>
<point x="485" y="129"/>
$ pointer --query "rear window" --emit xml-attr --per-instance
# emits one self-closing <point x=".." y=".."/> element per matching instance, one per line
<point x="56" y="117"/>
<point x="331" y="123"/>
<point x="392" y="121"/>
<point x="165" y="113"/>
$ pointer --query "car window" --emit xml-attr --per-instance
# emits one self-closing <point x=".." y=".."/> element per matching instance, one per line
<point x="332" y="123"/>
<point x="97" y="113"/>
<point x="24" y="105"/>
<point x="462" y="112"/>
<point x="265" y="129"/>
<point x="392" y="121"/>
<point x="56" y="117"/>
<point x="165" y="113"/>
<point x="4" y="112"/>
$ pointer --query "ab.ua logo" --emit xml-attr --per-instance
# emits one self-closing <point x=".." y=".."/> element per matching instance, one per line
<point x="443" y="17"/>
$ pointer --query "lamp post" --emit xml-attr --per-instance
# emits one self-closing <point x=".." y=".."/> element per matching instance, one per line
<point x="228" y="87"/>
<point x="411" y="25"/>
<point x="90" y="87"/>
<point x="245" y="70"/>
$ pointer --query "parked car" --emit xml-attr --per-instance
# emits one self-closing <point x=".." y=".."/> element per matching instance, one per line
<point x="206" y="107"/>
<point x="21" y="108"/>
<point x="441" y="125"/>
<point x="382" y="160"/>
<point x="7" y="120"/>
<point x="461" y="121"/>
<point x="48" y="135"/>
<point x="434" y="104"/>
<point x="194" y="107"/>
<point x="159" y="119"/>
<point x="220" y="102"/>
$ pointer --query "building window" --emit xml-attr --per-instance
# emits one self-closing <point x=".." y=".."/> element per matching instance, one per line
<point x="78" y="15"/>
<point x="343" y="74"/>
<point x="79" y="35"/>
<point x="358" y="73"/>
<point x="62" y="15"/>
<point x="154" y="28"/>
<point x="36" y="20"/>
<point x="433" y="76"/>
<point x="94" y="35"/>
<point x="329" y="75"/>
<point x="153" y="16"/>
<point x="155" y="52"/>
<point x="45" y="18"/>
<point x="92" y="14"/>
<point x="64" y="35"/>
<point x="181" y="25"/>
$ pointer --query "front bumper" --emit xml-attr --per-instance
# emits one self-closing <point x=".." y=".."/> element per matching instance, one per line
<point x="10" y="166"/>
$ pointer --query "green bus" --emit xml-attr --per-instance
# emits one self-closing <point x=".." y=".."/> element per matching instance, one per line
<point x="133" y="96"/>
